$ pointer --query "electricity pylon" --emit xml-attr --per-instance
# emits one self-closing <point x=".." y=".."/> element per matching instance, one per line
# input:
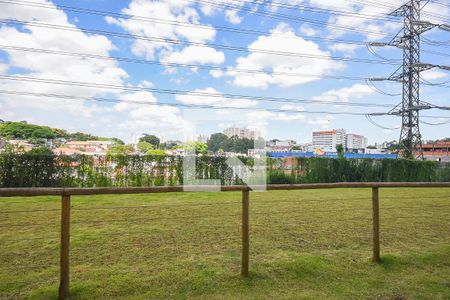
<point x="408" y="39"/>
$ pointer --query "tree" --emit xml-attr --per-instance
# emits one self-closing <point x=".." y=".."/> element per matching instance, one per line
<point x="220" y="142"/>
<point x="117" y="141"/>
<point x="42" y="151"/>
<point x="150" y="138"/>
<point x="170" y="144"/>
<point x="120" y="149"/>
<point x="43" y="133"/>
<point x="340" y="150"/>
<point x="80" y="136"/>
<point x="217" y="141"/>
<point x="144" y="147"/>
<point x="20" y="130"/>
<point x="197" y="147"/>
<point x="155" y="152"/>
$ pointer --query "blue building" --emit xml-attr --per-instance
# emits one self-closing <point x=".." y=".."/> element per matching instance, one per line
<point x="330" y="155"/>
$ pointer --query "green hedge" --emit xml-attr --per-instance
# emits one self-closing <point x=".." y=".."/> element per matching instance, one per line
<point x="26" y="170"/>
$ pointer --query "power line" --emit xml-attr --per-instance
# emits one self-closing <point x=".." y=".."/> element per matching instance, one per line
<point x="291" y="18"/>
<point x="435" y="124"/>
<point x="185" y="92"/>
<point x="408" y="74"/>
<point x="387" y="5"/>
<point x="369" y="118"/>
<point x="172" y="64"/>
<point x="190" y="43"/>
<point x="440" y="3"/>
<point x="436" y="53"/>
<point x="376" y="89"/>
<point x="327" y="11"/>
<point x="175" y="22"/>
<point x="227" y="5"/>
<point x="195" y="106"/>
<point x="109" y="100"/>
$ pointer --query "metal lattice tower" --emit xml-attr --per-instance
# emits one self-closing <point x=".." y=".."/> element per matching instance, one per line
<point x="408" y="39"/>
<point x="410" y="138"/>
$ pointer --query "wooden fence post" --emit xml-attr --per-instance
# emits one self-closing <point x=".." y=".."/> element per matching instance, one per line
<point x="245" y="232"/>
<point x="63" y="292"/>
<point x="376" y="225"/>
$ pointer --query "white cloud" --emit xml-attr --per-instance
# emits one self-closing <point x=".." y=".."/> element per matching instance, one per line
<point x="155" y="119"/>
<point x="292" y="107"/>
<point x="54" y="66"/>
<point x="129" y="98"/>
<point x="356" y="91"/>
<point x="322" y="121"/>
<point x="433" y="75"/>
<point x="273" y="63"/>
<point x="379" y="27"/>
<point x="347" y="49"/>
<point x="308" y="30"/>
<point x="214" y="98"/>
<point x="233" y="17"/>
<point x="169" y="11"/>
<point x="3" y="68"/>
<point x="230" y="9"/>
<point x="73" y="114"/>
<point x="196" y="55"/>
<point x="145" y="84"/>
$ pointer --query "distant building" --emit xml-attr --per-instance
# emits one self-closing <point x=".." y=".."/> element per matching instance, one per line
<point x="375" y="151"/>
<point x="241" y="133"/>
<point x="22" y="144"/>
<point x="385" y="145"/>
<point x="277" y="145"/>
<point x="175" y="152"/>
<point x="173" y="143"/>
<point x="355" y="141"/>
<point x="88" y="147"/>
<point x="438" y="151"/>
<point x="258" y="153"/>
<point x="328" y="140"/>
<point x="67" y="151"/>
<point x="203" y="138"/>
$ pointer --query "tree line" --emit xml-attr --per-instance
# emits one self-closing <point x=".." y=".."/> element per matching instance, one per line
<point x="33" y="170"/>
<point x="35" y="134"/>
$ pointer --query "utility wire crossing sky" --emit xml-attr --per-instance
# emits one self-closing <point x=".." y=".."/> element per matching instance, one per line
<point x="286" y="68"/>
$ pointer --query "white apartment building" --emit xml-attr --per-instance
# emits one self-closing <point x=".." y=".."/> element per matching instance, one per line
<point x="328" y="140"/>
<point x="241" y="133"/>
<point x="356" y="141"/>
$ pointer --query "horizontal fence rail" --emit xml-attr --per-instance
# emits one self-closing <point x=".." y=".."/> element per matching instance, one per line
<point x="66" y="194"/>
<point x="25" y="192"/>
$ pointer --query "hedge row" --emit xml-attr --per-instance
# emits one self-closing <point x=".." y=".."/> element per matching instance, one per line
<point x="25" y="170"/>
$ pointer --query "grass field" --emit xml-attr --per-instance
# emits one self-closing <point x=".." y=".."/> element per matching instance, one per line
<point x="310" y="244"/>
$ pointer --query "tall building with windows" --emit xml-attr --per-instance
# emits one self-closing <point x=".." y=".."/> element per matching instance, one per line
<point x="329" y="139"/>
<point x="241" y="133"/>
<point x="356" y="141"/>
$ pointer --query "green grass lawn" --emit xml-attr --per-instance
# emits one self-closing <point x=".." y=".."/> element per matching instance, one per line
<point x="310" y="244"/>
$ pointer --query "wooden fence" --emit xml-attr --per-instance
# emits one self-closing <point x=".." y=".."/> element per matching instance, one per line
<point x="66" y="194"/>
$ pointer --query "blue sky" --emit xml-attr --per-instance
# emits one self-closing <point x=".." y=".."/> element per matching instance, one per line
<point x="276" y="33"/>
